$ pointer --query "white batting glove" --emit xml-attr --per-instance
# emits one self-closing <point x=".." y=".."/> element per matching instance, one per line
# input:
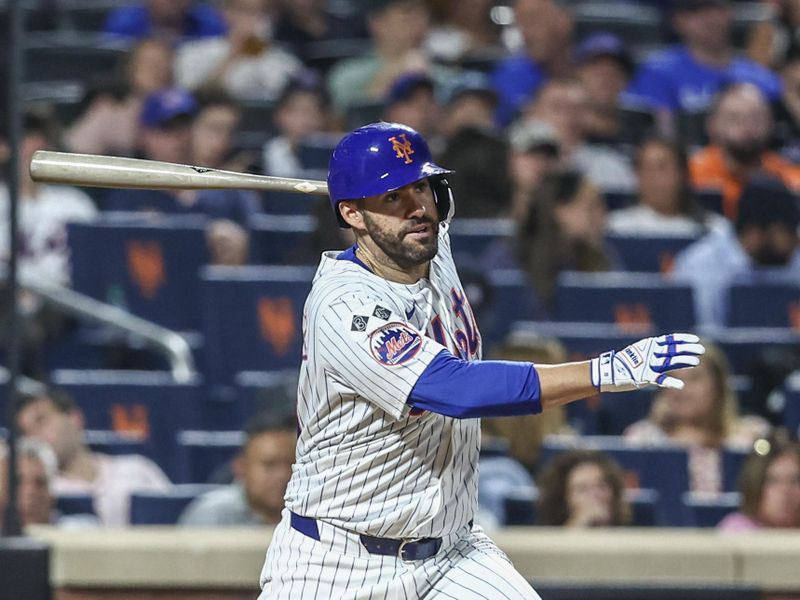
<point x="647" y="362"/>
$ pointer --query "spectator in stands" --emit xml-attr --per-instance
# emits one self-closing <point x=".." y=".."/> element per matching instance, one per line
<point x="686" y="76"/>
<point x="563" y="231"/>
<point x="666" y="203"/>
<point x="703" y="417"/>
<point x="110" y="121"/>
<point x="397" y="29"/>
<point x="303" y="23"/>
<point x="546" y="29"/>
<point x="174" y="20"/>
<point x="166" y="135"/>
<point x="770" y="486"/>
<point x="582" y="488"/>
<point x="213" y="131"/>
<point x="261" y="472"/>
<point x="55" y="419"/>
<point x="740" y="129"/>
<point x="562" y="103"/>
<point x="474" y="147"/>
<point x="246" y="63"/>
<point x="301" y="110"/>
<point x="411" y="101"/>
<point x="787" y="111"/>
<point x="466" y="33"/>
<point x="604" y="67"/>
<point x="44" y="210"/>
<point x="534" y="152"/>
<point x="763" y="244"/>
<point x="36" y="469"/>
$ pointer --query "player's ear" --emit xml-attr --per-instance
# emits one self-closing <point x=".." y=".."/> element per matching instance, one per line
<point x="351" y="213"/>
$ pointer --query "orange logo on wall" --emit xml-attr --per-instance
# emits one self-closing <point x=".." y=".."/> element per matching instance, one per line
<point x="632" y="317"/>
<point x="402" y="149"/>
<point x="130" y="420"/>
<point x="277" y="323"/>
<point x="146" y="266"/>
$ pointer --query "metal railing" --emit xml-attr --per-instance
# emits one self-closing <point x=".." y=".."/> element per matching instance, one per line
<point x="169" y="343"/>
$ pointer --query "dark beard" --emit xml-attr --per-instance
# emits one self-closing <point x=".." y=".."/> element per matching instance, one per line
<point x="405" y="255"/>
<point x="746" y="154"/>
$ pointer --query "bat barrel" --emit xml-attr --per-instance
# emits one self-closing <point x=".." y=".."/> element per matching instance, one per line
<point x="117" y="172"/>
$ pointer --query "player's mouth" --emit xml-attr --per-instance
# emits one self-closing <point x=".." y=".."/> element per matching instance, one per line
<point x="421" y="231"/>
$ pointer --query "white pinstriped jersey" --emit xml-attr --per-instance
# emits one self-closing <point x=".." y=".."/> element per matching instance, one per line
<point x="366" y="461"/>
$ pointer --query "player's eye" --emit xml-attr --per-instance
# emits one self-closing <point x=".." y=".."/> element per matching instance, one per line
<point x="392" y="197"/>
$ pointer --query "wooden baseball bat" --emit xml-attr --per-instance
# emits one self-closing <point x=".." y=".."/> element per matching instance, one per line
<point x="94" y="170"/>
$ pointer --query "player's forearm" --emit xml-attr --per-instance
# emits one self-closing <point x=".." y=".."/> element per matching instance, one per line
<point x="563" y="383"/>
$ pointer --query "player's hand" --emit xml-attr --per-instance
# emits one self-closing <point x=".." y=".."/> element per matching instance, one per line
<point x="647" y="362"/>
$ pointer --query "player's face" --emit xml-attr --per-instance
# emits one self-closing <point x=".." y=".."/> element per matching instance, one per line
<point x="268" y="460"/>
<point x="404" y="224"/>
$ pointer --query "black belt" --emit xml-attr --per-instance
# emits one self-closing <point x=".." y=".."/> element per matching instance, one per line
<point x="408" y="550"/>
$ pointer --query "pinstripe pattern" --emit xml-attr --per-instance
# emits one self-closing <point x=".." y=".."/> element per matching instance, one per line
<point x="366" y="464"/>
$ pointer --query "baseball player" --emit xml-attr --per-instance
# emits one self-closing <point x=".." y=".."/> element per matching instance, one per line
<point x="392" y="387"/>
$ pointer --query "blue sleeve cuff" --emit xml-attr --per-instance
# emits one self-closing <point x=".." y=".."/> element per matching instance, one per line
<point x="468" y="389"/>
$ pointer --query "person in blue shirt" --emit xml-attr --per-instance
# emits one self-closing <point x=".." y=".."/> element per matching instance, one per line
<point x="685" y="77"/>
<point x="546" y="30"/>
<point x="178" y="20"/>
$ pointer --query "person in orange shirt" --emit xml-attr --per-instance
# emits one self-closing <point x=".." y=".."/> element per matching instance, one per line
<point x="739" y="128"/>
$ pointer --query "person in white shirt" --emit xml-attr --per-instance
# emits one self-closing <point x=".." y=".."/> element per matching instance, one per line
<point x="245" y="62"/>
<point x="56" y="420"/>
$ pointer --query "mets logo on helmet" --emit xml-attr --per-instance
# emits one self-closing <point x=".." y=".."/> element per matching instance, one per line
<point x="402" y="148"/>
<point x="394" y="344"/>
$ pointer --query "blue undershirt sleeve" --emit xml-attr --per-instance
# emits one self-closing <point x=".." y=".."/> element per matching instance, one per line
<point x="468" y="389"/>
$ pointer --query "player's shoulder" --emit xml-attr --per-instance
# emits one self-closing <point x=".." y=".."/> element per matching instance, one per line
<point x="345" y="282"/>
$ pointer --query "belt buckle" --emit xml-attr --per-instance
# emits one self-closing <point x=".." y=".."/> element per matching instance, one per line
<point x="402" y="548"/>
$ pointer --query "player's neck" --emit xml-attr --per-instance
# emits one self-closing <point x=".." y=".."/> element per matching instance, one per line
<point x="383" y="266"/>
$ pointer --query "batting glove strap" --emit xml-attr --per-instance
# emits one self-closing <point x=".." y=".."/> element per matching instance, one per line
<point x="646" y="362"/>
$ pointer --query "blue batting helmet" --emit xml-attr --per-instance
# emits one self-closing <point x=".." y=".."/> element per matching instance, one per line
<point x="380" y="158"/>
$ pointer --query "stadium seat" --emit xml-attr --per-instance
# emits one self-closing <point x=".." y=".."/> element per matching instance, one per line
<point x="791" y="406"/>
<point x="648" y="254"/>
<point x="631" y="300"/>
<point x="765" y="304"/>
<point x="279" y="239"/>
<point x="635" y="24"/>
<point x="136" y="403"/>
<point x="75" y="504"/>
<point x="745" y="346"/>
<point x="164" y="508"/>
<point x="510" y="299"/>
<point x="290" y="203"/>
<point x="147" y="266"/>
<point x="469" y="238"/>
<point x="76" y="57"/>
<point x="107" y="441"/>
<point x="252" y="318"/>
<point x="732" y="461"/>
<point x="708" y="510"/>
<point x="664" y="469"/>
<point x="200" y="453"/>
<point x="87" y="15"/>
<point x="315" y="151"/>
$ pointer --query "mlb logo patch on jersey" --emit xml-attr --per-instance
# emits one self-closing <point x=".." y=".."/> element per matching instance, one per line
<point x="394" y="344"/>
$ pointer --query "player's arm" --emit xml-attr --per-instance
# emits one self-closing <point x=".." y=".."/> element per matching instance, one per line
<point x="468" y="389"/>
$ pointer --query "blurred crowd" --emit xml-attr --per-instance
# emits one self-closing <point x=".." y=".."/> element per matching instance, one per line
<point x="570" y="121"/>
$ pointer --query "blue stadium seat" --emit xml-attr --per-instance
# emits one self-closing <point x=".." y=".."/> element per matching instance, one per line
<point x="147" y="266"/>
<point x="315" y="151"/>
<point x="290" y="203"/>
<point x="69" y="56"/>
<point x="112" y="442"/>
<point x="628" y="299"/>
<point x="469" y="238"/>
<point x="279" y="239"/>
<point x="648" y="254"/>
<point x="164" y="508"/>
<point x="252" y="318"/>
<point x="148" y="403"/>
<point x="200" y="453"/>
<point x="767" y="304"/>
<point x="732" y="461"/>
<point x="708" y="510"/>
<point x="791" y="407"/>
<point x="512" y="299"/>
<point x="664" y="469"/>
<point x="744" y="346"/>
<point x="75" y="504"/>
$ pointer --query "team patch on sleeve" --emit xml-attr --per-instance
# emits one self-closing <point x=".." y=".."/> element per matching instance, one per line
<point x="394" y="343"/>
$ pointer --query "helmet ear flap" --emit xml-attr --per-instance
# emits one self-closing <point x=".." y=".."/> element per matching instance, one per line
<point x="443" y="196"/>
